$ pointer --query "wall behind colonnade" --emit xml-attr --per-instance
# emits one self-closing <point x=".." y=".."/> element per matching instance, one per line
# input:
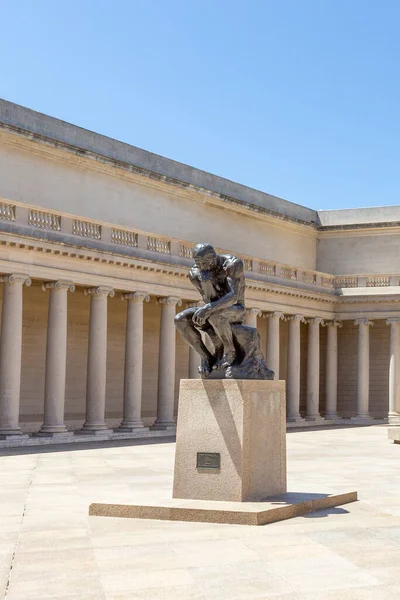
<point x="379" y="339"/>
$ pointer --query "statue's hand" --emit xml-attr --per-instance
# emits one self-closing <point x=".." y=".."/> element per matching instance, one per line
<point x="201" y="315"/>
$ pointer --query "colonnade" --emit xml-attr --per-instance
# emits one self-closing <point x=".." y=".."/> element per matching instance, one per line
<point x="331" y="374"/>
<point x="56" y="355"/>
<point x="313" y="366"/>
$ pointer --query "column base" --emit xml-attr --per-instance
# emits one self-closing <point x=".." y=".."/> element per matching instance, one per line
<point x="128" y="426"/>
<point x="58" y="434"/>
<point x="294" y="419"/>
<point x="314" y="418"/>
<point x="331" y="416"/>
<point x="167" y="426"/>
<point x="50" y="429"/>
<point x="7" y="431"/>
<point x="88" y="427"/>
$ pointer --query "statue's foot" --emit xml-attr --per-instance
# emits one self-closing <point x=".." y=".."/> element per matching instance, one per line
<point x="226" y="361"/>
<point x="205" y="367"/>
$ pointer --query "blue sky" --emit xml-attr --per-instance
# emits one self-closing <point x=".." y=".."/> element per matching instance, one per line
<point x="298" y="98"/>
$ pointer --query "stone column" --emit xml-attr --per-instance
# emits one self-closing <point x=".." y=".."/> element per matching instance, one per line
<point x="194" y="363"/>
<point x="11" y="353"/>
<point x="363" y="369"/>
<point x="273" y="342"/>
<point x="97" y="360"/>
<point x="293" y="369"/>
<point x="313" y="370"/>
<point x="251" y="317"/>
<point x="133" y="373"/>
<point x="56" y="358"/>
<point x="331" y="370"/>
<point x="194" y="358"/>
<point x="394" y="371"/>
<point x="166" y="365"/>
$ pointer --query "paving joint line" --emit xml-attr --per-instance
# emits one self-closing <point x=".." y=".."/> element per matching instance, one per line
<point x="19" y="532"/>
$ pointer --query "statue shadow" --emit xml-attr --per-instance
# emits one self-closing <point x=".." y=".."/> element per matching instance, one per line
<point x="226" y="423"/>
<point x="293" y="498"/>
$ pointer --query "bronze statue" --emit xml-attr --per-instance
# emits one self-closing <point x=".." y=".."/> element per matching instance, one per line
<point x="236" y="350"/>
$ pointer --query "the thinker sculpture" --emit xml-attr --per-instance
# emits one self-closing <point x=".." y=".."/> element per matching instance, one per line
<point x="236" y="352"/>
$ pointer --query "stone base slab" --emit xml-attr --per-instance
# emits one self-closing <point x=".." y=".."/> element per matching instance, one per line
<point x="13" y="437"/>
<point x="277" y="508"/>
<point x="394" y="434"/>
<point x="171" y="427"/>
<point x="92" y="432"/>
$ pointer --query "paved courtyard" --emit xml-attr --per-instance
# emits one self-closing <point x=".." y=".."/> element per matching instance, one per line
<point x="50" y="548"/>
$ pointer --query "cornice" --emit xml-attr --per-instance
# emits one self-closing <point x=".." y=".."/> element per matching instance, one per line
<point x="52" y="150"/>
<point x="391" y="228"/>
<point x="252" y="284"/>
<point x="80" y="254"/>
<point x="368" y="300"/>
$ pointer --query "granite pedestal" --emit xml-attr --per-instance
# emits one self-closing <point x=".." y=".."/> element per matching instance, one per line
<point x="394" y="434"/>
<point x="231" y="440"/>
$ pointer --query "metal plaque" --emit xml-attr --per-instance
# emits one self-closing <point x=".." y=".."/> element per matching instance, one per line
<point x="208" y="460"/>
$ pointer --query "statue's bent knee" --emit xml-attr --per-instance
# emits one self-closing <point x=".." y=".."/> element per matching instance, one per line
<point x="216" y="319"/>
<point x="180" y="320"/>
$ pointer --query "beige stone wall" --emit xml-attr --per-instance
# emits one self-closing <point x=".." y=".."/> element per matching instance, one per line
<point x="76" y="188"/>
<point x="347" y="368"/>
<point x="77" y="348"/>
<point x="351" y="253"/>
<point x="34" y="331"/>
<point x="378" y="373"/>
<point x="379" y="368"/>
<point x="303" y="367"/>
<point x="322" y="369"/>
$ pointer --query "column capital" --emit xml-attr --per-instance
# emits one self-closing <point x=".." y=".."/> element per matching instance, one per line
<point x="102" y="290"/>
<point x="296" y="318"/>
<point x="391" y="320"/>
<point x="170" y="301"/>
<point x="363" y="321"/>
<point x="276" y="315"/>
<point x="58" y="285"/>
<point x="315" y="320"/>
<point x="332" y="323"/>
<point x="136" y="297"/>
<point x="254" y="311"/>
<point x="18" y="278"/>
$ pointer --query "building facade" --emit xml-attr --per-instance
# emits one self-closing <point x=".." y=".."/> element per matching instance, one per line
<point x="95" y="248"/>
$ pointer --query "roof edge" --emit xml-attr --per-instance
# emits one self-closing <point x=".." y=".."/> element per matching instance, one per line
<point x="39" y="124"/>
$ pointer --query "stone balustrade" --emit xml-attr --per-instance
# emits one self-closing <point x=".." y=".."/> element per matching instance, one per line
<point x="129" y="238"/>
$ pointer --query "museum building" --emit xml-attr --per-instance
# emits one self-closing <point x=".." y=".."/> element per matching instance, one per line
<point x="95" y="248"/>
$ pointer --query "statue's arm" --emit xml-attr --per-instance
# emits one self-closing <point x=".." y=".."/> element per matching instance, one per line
<point x="232" y="297"/>
<point x="194" y="280"/>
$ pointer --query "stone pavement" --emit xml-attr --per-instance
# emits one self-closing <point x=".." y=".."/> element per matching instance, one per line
<point x="50" y="548"/>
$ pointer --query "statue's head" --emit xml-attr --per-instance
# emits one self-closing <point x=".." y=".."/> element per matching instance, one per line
<point x="205" y="257"/>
